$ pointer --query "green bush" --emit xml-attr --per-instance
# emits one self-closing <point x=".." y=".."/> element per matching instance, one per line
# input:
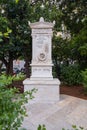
<point x="41" y="127"/>
<point x="75" y="128"/>
<point x="19" y="76"/>
<point x="84" y="80"/>
<point x="70" y="75"/>
<point x="12" y="109"/>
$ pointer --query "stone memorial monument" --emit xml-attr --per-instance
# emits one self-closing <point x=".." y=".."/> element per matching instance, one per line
<point x="41" y="66"/>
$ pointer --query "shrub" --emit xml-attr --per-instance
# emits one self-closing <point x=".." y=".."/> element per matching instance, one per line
<point x="70" y="75"/>
<point x="18" y="77"/>
<point x="12" y="109"/>
<point x="84" y="80"/>
<point x="75" y="128"/>
<point x="41" y="127"/>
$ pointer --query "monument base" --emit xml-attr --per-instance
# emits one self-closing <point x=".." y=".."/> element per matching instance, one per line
<point x="47" y="90"/>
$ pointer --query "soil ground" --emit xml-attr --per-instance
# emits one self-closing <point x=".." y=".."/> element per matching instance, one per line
<point x="76" y="91"/>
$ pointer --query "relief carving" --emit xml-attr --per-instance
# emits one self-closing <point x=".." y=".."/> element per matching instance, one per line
<point x="43" y="54"/>
<point x="42" y="57"/>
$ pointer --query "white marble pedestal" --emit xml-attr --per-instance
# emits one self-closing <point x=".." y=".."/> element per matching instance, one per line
<point x="47" y="90"/>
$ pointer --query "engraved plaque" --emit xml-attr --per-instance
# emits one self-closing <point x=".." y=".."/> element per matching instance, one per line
<point x="44" y="31"/>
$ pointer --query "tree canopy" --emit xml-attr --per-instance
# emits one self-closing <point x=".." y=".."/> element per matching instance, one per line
<point x="15" y="33"/>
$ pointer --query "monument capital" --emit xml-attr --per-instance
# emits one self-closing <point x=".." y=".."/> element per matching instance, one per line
<point x="41" y="24"/>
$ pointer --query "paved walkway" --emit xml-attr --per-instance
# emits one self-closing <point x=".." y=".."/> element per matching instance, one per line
<point x="67" y="112"/>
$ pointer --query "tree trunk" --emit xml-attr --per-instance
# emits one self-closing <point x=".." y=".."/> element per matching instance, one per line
<point x="8" y="64"/>
<point x="27" y="70"/>
<point x="57" y="68"/>
<point x="9" y="67"/>
<point x="1" y="66"/>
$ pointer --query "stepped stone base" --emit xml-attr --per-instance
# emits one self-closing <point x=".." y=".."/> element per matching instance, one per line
<point x="47" y="90"/>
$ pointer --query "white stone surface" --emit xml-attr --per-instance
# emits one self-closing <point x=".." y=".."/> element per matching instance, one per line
<point x="47" y="90"/>
<point x="41" y="66"/>
<point x="63" y="114"/>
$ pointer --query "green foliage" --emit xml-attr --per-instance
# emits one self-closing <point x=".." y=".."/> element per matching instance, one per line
<point x="74" y="19"/>
<point x="74" y="12"/>
<point x="41" y="127"/>
<point x="16" y="1"/>
<point x="79" y="47"/>
<point x="61" y="49"/>
<point x="4" y="29"/>
<point x="18" y="77"/>
<point x="75" y="128"/>
<point x="70" y="75"/>
<point x="15" y="33"/>
<point x="61" y="53"/>
<point x="12" y="109"/>
<point x="84" y="81"/>
<point x="5" y="80"/>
